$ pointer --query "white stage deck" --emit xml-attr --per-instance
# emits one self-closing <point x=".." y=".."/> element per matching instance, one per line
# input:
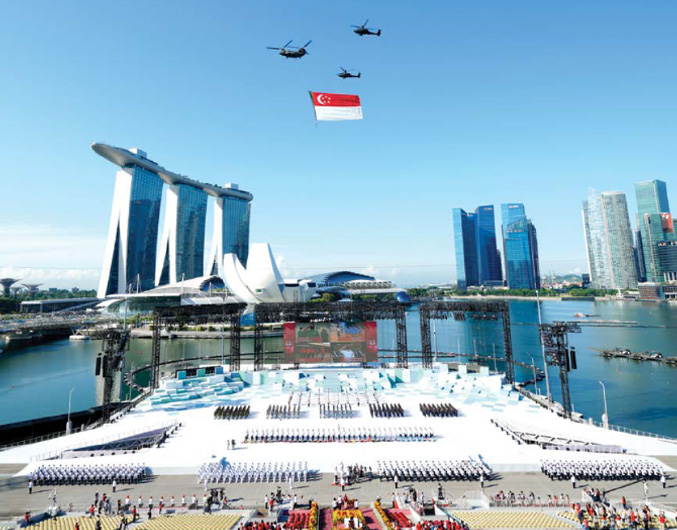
<point x="478" y="397"/>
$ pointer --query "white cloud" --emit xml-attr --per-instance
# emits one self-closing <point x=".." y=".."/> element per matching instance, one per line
<point x="371" y="270"/>
<point x="52" y="255"/>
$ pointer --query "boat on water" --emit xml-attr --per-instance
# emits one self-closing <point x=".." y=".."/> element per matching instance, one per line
<point x="79" y="336"/>
<point x="584" y="315"/>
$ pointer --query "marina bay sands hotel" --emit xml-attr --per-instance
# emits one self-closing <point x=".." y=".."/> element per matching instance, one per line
<point x="132" y="262"/>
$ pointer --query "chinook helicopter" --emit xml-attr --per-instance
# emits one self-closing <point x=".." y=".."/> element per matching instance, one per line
<point x="292" y="52"/>
<point x="345" y="74"/>
<point x="364" y="30"/>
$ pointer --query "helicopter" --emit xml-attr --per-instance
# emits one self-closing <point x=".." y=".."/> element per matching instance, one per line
<point x="345" y="74"/>
<point x="292" y="52"/>
<point x="364" y="30"/>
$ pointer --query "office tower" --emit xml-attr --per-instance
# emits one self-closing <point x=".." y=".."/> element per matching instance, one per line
<point x="183" y="237"/>
<point x="609" y="243"/>
<point x="465" y="243"/>
<point x="520" y="250"/>
<point x="533" y="248"/>
<point x="655" y="225"/>
<point x="231" y="227"/>
<point x="488" y="261"/>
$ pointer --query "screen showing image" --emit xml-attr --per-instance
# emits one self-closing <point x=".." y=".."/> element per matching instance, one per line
<point x="330" y="342"/>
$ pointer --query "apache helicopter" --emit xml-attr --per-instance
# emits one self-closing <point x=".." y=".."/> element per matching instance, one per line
<point x="364" y="30"/>
<point x="345" y="74"/>
<point x="292" y="52"/>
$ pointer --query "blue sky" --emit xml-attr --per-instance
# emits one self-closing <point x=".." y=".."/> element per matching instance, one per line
<point x="465" y="103"/>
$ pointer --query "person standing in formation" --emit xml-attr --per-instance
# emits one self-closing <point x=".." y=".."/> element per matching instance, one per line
<point x="30" y="487"/>
<point x="115" y="485"/>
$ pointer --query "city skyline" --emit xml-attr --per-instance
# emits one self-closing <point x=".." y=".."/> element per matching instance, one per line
<point x="515" y="124"/>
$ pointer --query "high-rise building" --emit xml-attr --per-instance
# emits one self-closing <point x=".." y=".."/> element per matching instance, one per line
<point x="231" y="228"/>
<point x="477" y="258"/>
<point x="488" y="260"/>
<point x="520" y="249"/>
<point x="667" y="258"/>
<point x="465" y="244"/>
<point x="654" y="223"/>
<point x="131" y="251"/>
<point x="182" y="246"/>
<point x="608" y="236"/>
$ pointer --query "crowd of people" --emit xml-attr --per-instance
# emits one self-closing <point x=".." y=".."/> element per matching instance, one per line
<point x="231" y="412"/>
<point x="396" y="470"/>
<point x="512" y="499"/>
<point x="355" y="434"/>
<point x="438" y="410"/>
<point x="220" y="472"/>
<point x="386" y="410"/>
<point x="601" y="515"/>
<point x="346" y="475"/>
<point x="283" y="412"/>
<point x="59" y="475"/>
<point x="606" y="469"/>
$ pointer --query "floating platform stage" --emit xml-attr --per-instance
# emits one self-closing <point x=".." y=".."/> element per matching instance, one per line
<point x="495" y="424"/>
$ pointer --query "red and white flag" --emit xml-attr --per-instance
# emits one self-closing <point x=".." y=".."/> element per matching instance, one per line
<point x="335" y="107"/>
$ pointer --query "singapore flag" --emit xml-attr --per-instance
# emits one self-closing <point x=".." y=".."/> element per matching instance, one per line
<point x="335" y="107"/>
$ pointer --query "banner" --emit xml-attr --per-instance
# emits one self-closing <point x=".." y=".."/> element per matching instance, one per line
<point x="336" y="107"/>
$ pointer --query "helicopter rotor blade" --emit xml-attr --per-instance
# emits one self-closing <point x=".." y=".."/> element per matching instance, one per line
<point x="271" y="48"/>
<point x="365" y="23"/>
<point x="306" y="44"/>
<point x="288" y="43"/>
<point x="355" y="26"/>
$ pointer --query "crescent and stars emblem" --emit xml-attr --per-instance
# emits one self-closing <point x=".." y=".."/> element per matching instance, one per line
<point x="323" y="99"/>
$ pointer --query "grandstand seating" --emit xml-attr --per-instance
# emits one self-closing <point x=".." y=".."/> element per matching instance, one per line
<point x="86" y="523"/>
<point x="188" y="522"/>
<point x="510" y="519"/>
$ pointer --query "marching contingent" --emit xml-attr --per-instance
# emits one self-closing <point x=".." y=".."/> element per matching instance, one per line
<point x="601" y="470"/>
<point x="397" y="470"/>
<point x="59" y="475"/>
<point x="231" y="412"/>
<point x="220" y="472"/>
<point x="387" y="410"/>
<point x="356" y="434"/>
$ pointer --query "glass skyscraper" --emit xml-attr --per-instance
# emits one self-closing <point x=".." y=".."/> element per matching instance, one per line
<point x="477" y="259"/>
<point x="609" y="241"/>
<point x="183" y="236"/>
<point x="465" y="244"/>
<point x="520" y="250"/>
<point x="129" y="263"/>
<point x="231" y="228"/>
<point x="488" y="261"/>
<point x="655" y="225"/>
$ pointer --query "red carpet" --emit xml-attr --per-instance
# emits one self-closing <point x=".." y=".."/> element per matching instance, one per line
<point x="326" y="522"/>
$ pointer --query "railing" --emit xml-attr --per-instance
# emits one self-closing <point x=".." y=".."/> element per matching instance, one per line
<point x="33" y="440"/>
<point x="618" y="428"/>
<point x="627" y="430"/>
